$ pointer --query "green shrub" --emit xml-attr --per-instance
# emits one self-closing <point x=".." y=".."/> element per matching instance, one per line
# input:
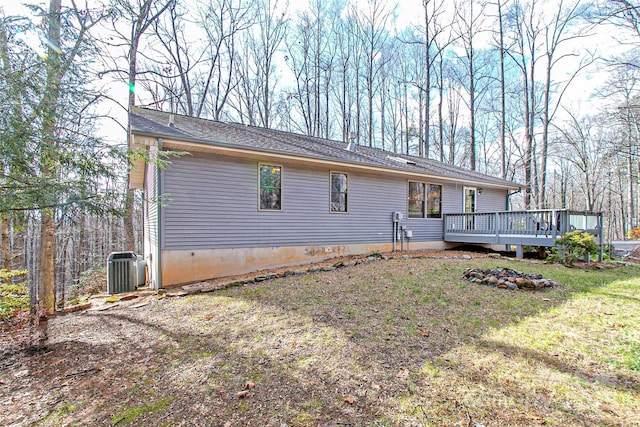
<point x="13" y="296"/>
<point x="574" y="246"/>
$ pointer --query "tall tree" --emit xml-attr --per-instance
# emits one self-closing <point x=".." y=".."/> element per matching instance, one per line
<point x="12" y="116"/>
<point x="139" y="15"/>
<point x="51" y="159"/>
<point x="373" y="34"/>
<point x="525" y="29"/>
<point x="503" y="92"/>
<point x="623" y="89"/>
<point x="557" y="32"/>
<point x="469" y="22"/>
<point x="259" y="77"/>
<point x="433" y="11"/>
<point x="306" y="51"/>
<point x="55" y="70"/>
<point x="348" y="61"/>
<point x="585" y="141"/>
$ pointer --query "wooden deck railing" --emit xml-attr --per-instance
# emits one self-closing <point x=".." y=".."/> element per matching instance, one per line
<point x="534" y="228"/>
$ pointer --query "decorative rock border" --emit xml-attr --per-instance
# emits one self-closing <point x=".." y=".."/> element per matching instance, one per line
<point x="506" y="278"/>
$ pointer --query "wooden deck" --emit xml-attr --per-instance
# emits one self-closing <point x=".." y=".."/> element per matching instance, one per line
<point x="519" y="228"/>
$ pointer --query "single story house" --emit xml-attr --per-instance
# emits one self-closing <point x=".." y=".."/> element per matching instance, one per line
<point x="243" y="198"/>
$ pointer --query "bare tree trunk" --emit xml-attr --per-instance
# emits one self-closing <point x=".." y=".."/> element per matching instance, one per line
<point x="472" y="113"/>
<point x="345" y="117"/>
<point x="531" y="146"/>
<point x="6" y="247"/>
<point x="630" y="188"/>
<point x="503" y="96"/>
<point x="46" y="277"/>
<point x="383" y="103"/>
<point x="5" y="236"/>
<point x="406" y="122"/>
<point x="81" y="255"/>
<point x="427" y="83"/>
<point x="129" y="234"/>
<point x="623" y="213"/>
<point x="440" y="108"/>
<point x="139" y="24"/>
<point x="527" y="144"/>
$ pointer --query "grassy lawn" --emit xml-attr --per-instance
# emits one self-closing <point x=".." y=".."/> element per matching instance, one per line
<point x="396" y="342"/>
<point x="414" y="344"/>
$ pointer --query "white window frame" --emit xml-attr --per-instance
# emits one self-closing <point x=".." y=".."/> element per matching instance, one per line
<point x="260" y="165"/>
<point x="464" y="199"/>
<point x="426" y="201"/>
<point x="346" y="193"/>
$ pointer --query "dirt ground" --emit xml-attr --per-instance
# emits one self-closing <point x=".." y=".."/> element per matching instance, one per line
<point x="260" y="354"/>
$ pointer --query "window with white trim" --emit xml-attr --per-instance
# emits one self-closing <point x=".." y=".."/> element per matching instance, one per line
<point x="270" y="184"/>
<point x="415" y="203"/>
<point x="434" y="201"/>
<point x="424" y="200"/>
<point x="339" y="192"/>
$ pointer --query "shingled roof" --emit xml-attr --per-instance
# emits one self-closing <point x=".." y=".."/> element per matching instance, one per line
<point x="155" y="123"/>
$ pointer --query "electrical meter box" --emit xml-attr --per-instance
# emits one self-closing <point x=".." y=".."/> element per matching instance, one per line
<point x="397" y="216"/>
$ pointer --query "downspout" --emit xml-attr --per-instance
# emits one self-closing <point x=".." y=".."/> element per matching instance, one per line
<point x="159" y="222"/>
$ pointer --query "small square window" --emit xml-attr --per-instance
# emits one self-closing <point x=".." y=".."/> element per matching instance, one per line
<point x="270" y="187"/>
<point x="339" y="191"/>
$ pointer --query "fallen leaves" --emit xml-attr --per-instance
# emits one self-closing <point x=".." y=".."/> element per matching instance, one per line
<point x="350" y="399"/>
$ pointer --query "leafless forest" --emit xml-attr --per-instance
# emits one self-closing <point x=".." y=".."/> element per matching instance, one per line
<point x="544" y="93"/>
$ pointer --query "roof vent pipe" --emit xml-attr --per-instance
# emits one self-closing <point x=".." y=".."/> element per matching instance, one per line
<point x="171" y="122"/>
<point x="351" y="145"/>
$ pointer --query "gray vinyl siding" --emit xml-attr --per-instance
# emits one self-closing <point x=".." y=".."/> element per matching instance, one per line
<point x="212" y="202"/>
<point x="492" y="200"/>
<point x="452" y="203"/>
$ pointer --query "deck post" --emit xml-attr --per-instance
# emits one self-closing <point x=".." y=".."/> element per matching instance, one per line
<point x="519" y="251"/>
<point x="600" y="237"/>
<point x="497" y="226"/>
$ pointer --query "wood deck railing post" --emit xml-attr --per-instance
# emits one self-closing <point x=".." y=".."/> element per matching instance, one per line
<point x="497" y="226"/>
<point x="600" y="236"/>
